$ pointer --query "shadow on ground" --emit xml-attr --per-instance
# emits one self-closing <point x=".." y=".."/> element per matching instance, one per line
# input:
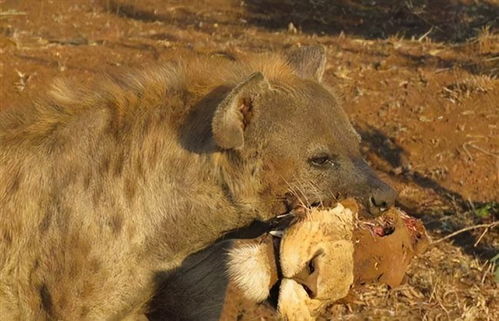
<point x="448" y="21"/>
<point x="439" y="20"/>
<point x="393" y="154"/>
<point x="183" y="16"/>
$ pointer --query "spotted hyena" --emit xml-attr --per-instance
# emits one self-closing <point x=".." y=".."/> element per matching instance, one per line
<point x="105" y="188"/>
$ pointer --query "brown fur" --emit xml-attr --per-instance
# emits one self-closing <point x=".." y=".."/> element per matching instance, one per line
<point x="105" y="187"/>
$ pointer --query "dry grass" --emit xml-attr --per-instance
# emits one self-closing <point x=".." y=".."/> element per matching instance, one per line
<point x="443" y="284"/>
<point x="487" y="41"/>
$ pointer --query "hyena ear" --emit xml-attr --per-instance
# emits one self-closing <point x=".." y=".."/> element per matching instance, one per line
<point x="308" y="62"/>
<point x="235" y="112"/>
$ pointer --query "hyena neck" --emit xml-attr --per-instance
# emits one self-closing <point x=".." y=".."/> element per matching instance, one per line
<point x="203" y="201"/>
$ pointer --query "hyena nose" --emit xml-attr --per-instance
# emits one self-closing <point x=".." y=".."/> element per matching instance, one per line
<point x="382" y="197"/>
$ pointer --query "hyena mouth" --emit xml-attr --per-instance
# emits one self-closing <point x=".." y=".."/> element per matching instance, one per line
<point x="295" y="204"/>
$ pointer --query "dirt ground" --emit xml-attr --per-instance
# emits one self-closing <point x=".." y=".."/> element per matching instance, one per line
<point x="419" y="80"/>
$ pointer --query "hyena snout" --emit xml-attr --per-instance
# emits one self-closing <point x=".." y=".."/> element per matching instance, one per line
<point x="375" y="194"/>
<point x="382" y="197"/>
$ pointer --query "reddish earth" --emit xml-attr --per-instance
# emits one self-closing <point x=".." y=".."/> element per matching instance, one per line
<point x="418" y="79"/>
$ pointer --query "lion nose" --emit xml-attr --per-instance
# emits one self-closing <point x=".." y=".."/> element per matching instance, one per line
<point x="308" y="277"/>
<point x="382" y="197"/>
<point x="308" y="282"/>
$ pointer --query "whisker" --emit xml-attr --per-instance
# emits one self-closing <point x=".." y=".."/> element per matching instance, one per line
<point x="293" y="190"/>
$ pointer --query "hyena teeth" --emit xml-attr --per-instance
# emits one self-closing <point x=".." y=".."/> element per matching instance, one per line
<point x="285" y="215"/>
<point x="278" y="234"/>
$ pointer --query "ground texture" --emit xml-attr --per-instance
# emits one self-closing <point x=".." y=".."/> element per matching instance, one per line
<point x="419" y="80"/>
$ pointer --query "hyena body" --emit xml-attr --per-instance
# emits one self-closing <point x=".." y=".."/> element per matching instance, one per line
<point x="104" y="189"/>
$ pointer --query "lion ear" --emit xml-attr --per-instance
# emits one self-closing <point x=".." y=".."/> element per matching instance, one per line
<point x="235" y="112"/>
<point x="308" y="62"/>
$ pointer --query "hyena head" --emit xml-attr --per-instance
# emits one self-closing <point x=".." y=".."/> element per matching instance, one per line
<point x="296" y="138"/>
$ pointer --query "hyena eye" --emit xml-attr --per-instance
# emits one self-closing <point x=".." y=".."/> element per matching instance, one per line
<point x="319" y="160"/>
<point x="323" y="160"/>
